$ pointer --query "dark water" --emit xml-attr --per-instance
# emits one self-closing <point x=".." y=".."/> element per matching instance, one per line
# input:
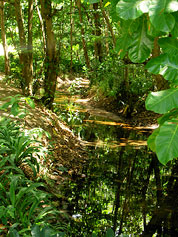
<point x="123" y="185"/>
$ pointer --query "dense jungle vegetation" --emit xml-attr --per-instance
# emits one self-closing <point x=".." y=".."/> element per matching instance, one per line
<point x="128" y="51"/>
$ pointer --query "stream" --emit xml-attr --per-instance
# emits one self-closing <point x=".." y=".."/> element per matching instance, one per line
<point x="120" y="184"/>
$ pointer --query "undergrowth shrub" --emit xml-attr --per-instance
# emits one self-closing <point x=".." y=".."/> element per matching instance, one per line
<point x="24" y="202"/>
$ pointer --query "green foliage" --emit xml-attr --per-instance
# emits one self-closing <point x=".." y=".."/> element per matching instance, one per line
<point x="146" y="20"/>
<point x="110" y="233"/>
<point x="166" y="65"/>
<point x="139" y="25"/>
<point x="17" y="101"/>
<point x="15" y="69"/>
<point x="141" y="45"/>
<point x="22" y="201"/>
<point x="162" y="101"/>
<point x="131" y="9"/>
<point x="46" y="231"/>
<point x="2" y="64"/>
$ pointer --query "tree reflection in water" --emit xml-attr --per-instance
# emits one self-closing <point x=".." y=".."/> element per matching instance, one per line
<point x="123" y="185"/>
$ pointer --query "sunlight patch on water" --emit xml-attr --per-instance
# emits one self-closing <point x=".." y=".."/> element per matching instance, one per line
<point x="123" y="125"/>
<point x="114" y="144"/>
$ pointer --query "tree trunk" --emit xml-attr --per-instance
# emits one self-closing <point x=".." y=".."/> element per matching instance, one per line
<point x="30" y="44"/>
<point x="106" y="42"/>
<point x="117" y="203"/>
<point x="109" y="26"/>
<point x="50" y="59"/>
<point x="3" y="36"/>
<point x="83" y="35"/>
<point x="23" y="54"/>
<point x="98" y="44"/>
<point x="160" y="82"/>
<point x="167" y="208"/>
<point x="42" y="25"/>
<point x="71" y="33"/>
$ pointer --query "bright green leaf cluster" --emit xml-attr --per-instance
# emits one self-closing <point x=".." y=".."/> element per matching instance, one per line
<point x="142" y="22"/>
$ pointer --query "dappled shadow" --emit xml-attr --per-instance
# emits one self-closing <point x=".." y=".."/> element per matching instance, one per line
<point x="66" y="150"/>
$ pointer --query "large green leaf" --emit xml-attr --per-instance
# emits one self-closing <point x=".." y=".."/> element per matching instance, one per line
<point x="152" y="31"/>
<point x="131" y="9"/>
<point x="110" y="233"/>
<point x="174" y="31"/>
<point x="169" y="45"/>
<point x="122" y="45"/>
<point x="151" y="140"/>
<point x="162" y="101"/>
<point x="113" y="12"/>
<point x="125" y="40"/>
<point x="141" y="45"/>
<point x="166" y="65"/>
<point x="159" y="16"/>
<point x="166" y="141"/>
<point x="168" y="116"/>
<point x="45" y="232"/>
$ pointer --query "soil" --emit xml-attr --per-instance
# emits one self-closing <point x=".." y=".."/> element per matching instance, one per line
<point x="106" y="107"/>
<point x="66" y="149"/>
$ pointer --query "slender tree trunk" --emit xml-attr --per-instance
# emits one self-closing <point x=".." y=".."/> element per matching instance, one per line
<point x="144" y="190"/>
<point x="42" y="25"/>
<point x="3" y="36"/>
<point x="23" y="54"/>
<point x="50" y="59"/>
<point x="166" y="208"/>
<point x="83" y="35"/>
<point x="127" y="195"/>
<point x="30" y="43"/>
<point x="109" y="26"/>
<point x="71" y="33"/>
<point x="106" y="42"/>
<point x="98" y="44"/>
<point x="117" y="195"/>
<point x="160" y="82"/>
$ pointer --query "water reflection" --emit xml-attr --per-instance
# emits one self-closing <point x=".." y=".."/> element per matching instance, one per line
<point x="123" y="184"/>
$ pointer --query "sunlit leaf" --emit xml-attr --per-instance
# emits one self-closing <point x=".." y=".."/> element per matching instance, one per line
<point x="159" y="17"/>
<point x="131" y="9"/>
<point x="142" y="44"/>
<point x="166" y="65"/>
<point x="166" y="141"/>
<point x="107" y="4"/>
<point x="30" y="102"/>
<point x="172" y="6"/>
<point x="162" y="101"/>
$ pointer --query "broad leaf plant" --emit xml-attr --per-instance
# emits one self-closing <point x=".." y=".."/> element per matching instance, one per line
<point x="141" y="21"/>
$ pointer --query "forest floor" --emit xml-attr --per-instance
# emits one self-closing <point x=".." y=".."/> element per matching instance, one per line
<point x="66" y="149"/>
<point x="100" y="105"/>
